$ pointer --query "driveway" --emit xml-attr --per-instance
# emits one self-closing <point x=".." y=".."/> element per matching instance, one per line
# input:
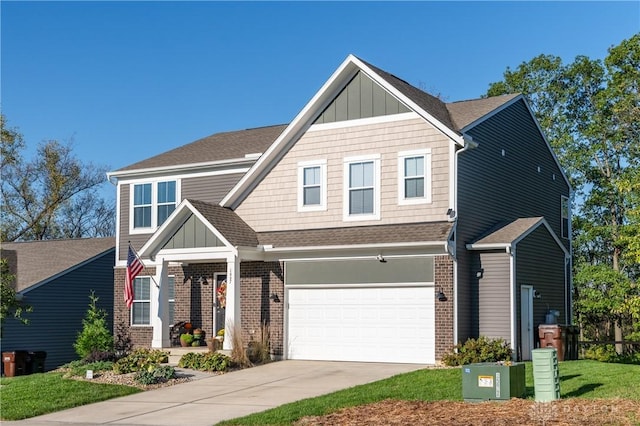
<point x="209" y="400"/>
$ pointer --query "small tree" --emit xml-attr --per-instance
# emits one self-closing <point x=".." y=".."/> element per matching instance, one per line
<point x="95" y="336"/>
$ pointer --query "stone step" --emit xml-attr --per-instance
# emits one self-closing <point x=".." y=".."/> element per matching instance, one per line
<point x="176" y="353"/>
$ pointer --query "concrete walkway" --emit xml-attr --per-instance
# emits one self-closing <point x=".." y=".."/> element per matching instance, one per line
<point x="210" y="399"/>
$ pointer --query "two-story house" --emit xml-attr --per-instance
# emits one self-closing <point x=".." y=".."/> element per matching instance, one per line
<point x="381" y="224"/>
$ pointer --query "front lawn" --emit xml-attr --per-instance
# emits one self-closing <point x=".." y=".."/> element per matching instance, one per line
<point x="583" y="379"/>
<point x="36" y="394"/>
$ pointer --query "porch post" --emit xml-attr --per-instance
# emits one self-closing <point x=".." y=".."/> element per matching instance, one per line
<point x="233" y="300"/>
<point x="159" y="308"/>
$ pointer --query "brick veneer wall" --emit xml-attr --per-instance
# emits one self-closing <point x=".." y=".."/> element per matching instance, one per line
<point x="258" y="281"/>
<point x="195" y="302"/>
<point x="444" y="310"/>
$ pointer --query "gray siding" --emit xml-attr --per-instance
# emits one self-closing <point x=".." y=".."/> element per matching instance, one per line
<point x="494" y="295"/>
<point x="210" y="189"/>
<point x="494" y="188"/>
<point x="541" y="263"/>
<point x="361" y="98"/>
<point x="58" y="309"/>
<point x="193" y="233"/>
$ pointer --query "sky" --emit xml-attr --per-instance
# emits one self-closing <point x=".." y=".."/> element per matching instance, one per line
<point x="123" y="81"/>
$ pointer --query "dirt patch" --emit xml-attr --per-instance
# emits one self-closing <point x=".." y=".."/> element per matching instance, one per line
<point x="565" y="412"/>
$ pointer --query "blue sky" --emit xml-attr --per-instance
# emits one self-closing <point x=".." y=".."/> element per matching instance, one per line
<point x="128" y="80"/>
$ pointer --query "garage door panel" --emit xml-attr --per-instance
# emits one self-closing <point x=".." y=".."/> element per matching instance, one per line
<point x="362" y="324"/>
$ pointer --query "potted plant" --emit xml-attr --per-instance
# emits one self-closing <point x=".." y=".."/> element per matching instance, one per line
<point x="198" y="334"/>
<point x="186" y="339"/>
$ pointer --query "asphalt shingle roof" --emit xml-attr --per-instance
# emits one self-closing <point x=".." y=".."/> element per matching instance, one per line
<point x="464" y="113"/>
<point x="376" y="234"/>
<point x="509" y="232"/>
<point x="228" y="223"/>
<point x="217" y="147"/>
<point x="35" y="261"/>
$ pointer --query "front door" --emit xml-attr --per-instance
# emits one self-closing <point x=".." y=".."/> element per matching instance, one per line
<point x="526" y="322"/>
<point x="220" y="302"/>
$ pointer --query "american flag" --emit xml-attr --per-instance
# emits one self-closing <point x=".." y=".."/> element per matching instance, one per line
<point x="134" y="267"/>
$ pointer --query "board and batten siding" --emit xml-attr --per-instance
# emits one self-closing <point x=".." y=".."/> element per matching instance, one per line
<point x="494" y="188"/>
<point x="494" y="295"/>
<point x="59" y="306"/>
<point x="210" y="189"/>
<point x="273" y="204"/>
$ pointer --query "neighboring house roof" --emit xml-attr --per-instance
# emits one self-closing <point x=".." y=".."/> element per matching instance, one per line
<point x="430" y="232"/>
<point x="508" y="234"/>
<point x="215" y="148"/>
<point x="33" y="262"/>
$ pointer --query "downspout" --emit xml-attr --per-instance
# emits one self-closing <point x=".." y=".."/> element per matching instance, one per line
<point x="469" y="144"/>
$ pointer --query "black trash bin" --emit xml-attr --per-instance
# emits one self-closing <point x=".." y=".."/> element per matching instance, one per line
<point x="15" y="363"/>
<point x="37" y="361"/>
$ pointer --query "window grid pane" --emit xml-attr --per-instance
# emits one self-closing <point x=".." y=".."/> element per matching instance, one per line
<point x="311" y="196"/>
<point x="361" y="190"/>
<point x="414" y="177"/>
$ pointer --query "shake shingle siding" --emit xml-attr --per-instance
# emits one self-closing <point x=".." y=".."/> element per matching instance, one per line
<point x="59" y="306"/>
<point x="499" y="181"/>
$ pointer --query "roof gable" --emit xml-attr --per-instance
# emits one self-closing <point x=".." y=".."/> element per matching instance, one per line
<point x="197" y="224"/>
<point x="37" y="262"/>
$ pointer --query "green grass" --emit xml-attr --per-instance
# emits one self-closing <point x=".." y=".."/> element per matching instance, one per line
<point x="583" y="379"/>
<point x="36" y="394"/>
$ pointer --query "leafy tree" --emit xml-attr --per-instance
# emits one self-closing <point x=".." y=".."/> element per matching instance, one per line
<point x="590" y="113"/>
<point x="52" y="196"/>
<point x="10" y="306"/>
<point x="95" y="336"/>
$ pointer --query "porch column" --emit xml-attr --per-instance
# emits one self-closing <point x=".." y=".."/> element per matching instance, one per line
<point x="159" y="308"/>
<point x="233" y="300"/>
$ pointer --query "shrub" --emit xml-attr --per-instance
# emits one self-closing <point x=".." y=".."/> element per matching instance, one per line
<point x="481" y="349"/>
<point x="122" y="343"/>
<point x="95" y="335"/>
<point x="139" y="360"/>
<point x="209" y="361"/>
<point x="158" y="374"/>
<point x="607" y="353"/>
<point x="239" y="351"/>
<point x="96" y="356"/>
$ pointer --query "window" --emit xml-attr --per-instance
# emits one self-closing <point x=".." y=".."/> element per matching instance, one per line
<point x="152" y="202"/>
<point x="362" y="193"/>
<point x="312" y="185"/>
<point x="565" y="207"/>
<point x="414" y="177"/>
<point x="141" y="308"/>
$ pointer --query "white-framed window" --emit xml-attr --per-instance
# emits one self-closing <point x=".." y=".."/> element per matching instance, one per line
<point x="141" y="308"/>
<point x="565" y="208"/>
<point x="151" y="204"/>
<point x="414" y="177"/>
<point x="312" y="185"/>
<point x="362" y="188"/>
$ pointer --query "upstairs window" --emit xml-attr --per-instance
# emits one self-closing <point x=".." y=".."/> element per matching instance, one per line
<point x="152" y="203"/>
<point x="565" y="211"/>
<point x="312" y="193"/>
<point x="362" y="188"/>
<point x="414" y="177"/>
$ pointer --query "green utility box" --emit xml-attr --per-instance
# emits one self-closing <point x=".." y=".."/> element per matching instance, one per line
<point x="493" y="381"/>
<point x="546" y="378"/>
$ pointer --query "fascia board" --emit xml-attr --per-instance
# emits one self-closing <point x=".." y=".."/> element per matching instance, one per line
<point x="496" y="246"/>
<point x="425" y="115"/>
<point x="544" y="222"/>
<point x="414" y="245"/>
<point x="193" y="167"/>
<point x="322" y="97"/>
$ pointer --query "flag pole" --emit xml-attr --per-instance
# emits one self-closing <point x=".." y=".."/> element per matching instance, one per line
<point x="145" y="266"/>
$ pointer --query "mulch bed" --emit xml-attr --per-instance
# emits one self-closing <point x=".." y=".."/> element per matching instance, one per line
<point x="564" y="412"/>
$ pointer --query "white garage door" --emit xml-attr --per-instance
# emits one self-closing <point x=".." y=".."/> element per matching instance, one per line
<point x="374" y="324"/>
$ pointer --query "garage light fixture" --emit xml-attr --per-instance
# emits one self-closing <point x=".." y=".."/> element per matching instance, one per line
<point x="274" y="297"/>
<point x="441" y="296"/>
<point x="381" y="259"/>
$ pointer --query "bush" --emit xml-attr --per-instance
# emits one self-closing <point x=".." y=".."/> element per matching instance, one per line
<point x="95" y="335"/>
<point x="140" y="360"/>
<point x="607" y="353"/>
<point x="158" y="374"/>
<point x="79" y="368"/>
<point x="96" y="356"/>
<point x="481" y="349"/>
<point x="210" y="361"/>
<point x="122" y="343"/>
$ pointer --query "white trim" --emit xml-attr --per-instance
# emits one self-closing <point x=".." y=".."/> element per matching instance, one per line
<point x="183" y="168"/>
<point x="512" y="302"/>
<point x="426" y="176"/>
<point x="562" y="218"/>
<point x="425" y="284"/>
<point x="302" y="165"/>
<point x="136" y="300"/>
<point x="154" y="203"/>
<point x="347" y="162"/>
<point x="380" y="119"/>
